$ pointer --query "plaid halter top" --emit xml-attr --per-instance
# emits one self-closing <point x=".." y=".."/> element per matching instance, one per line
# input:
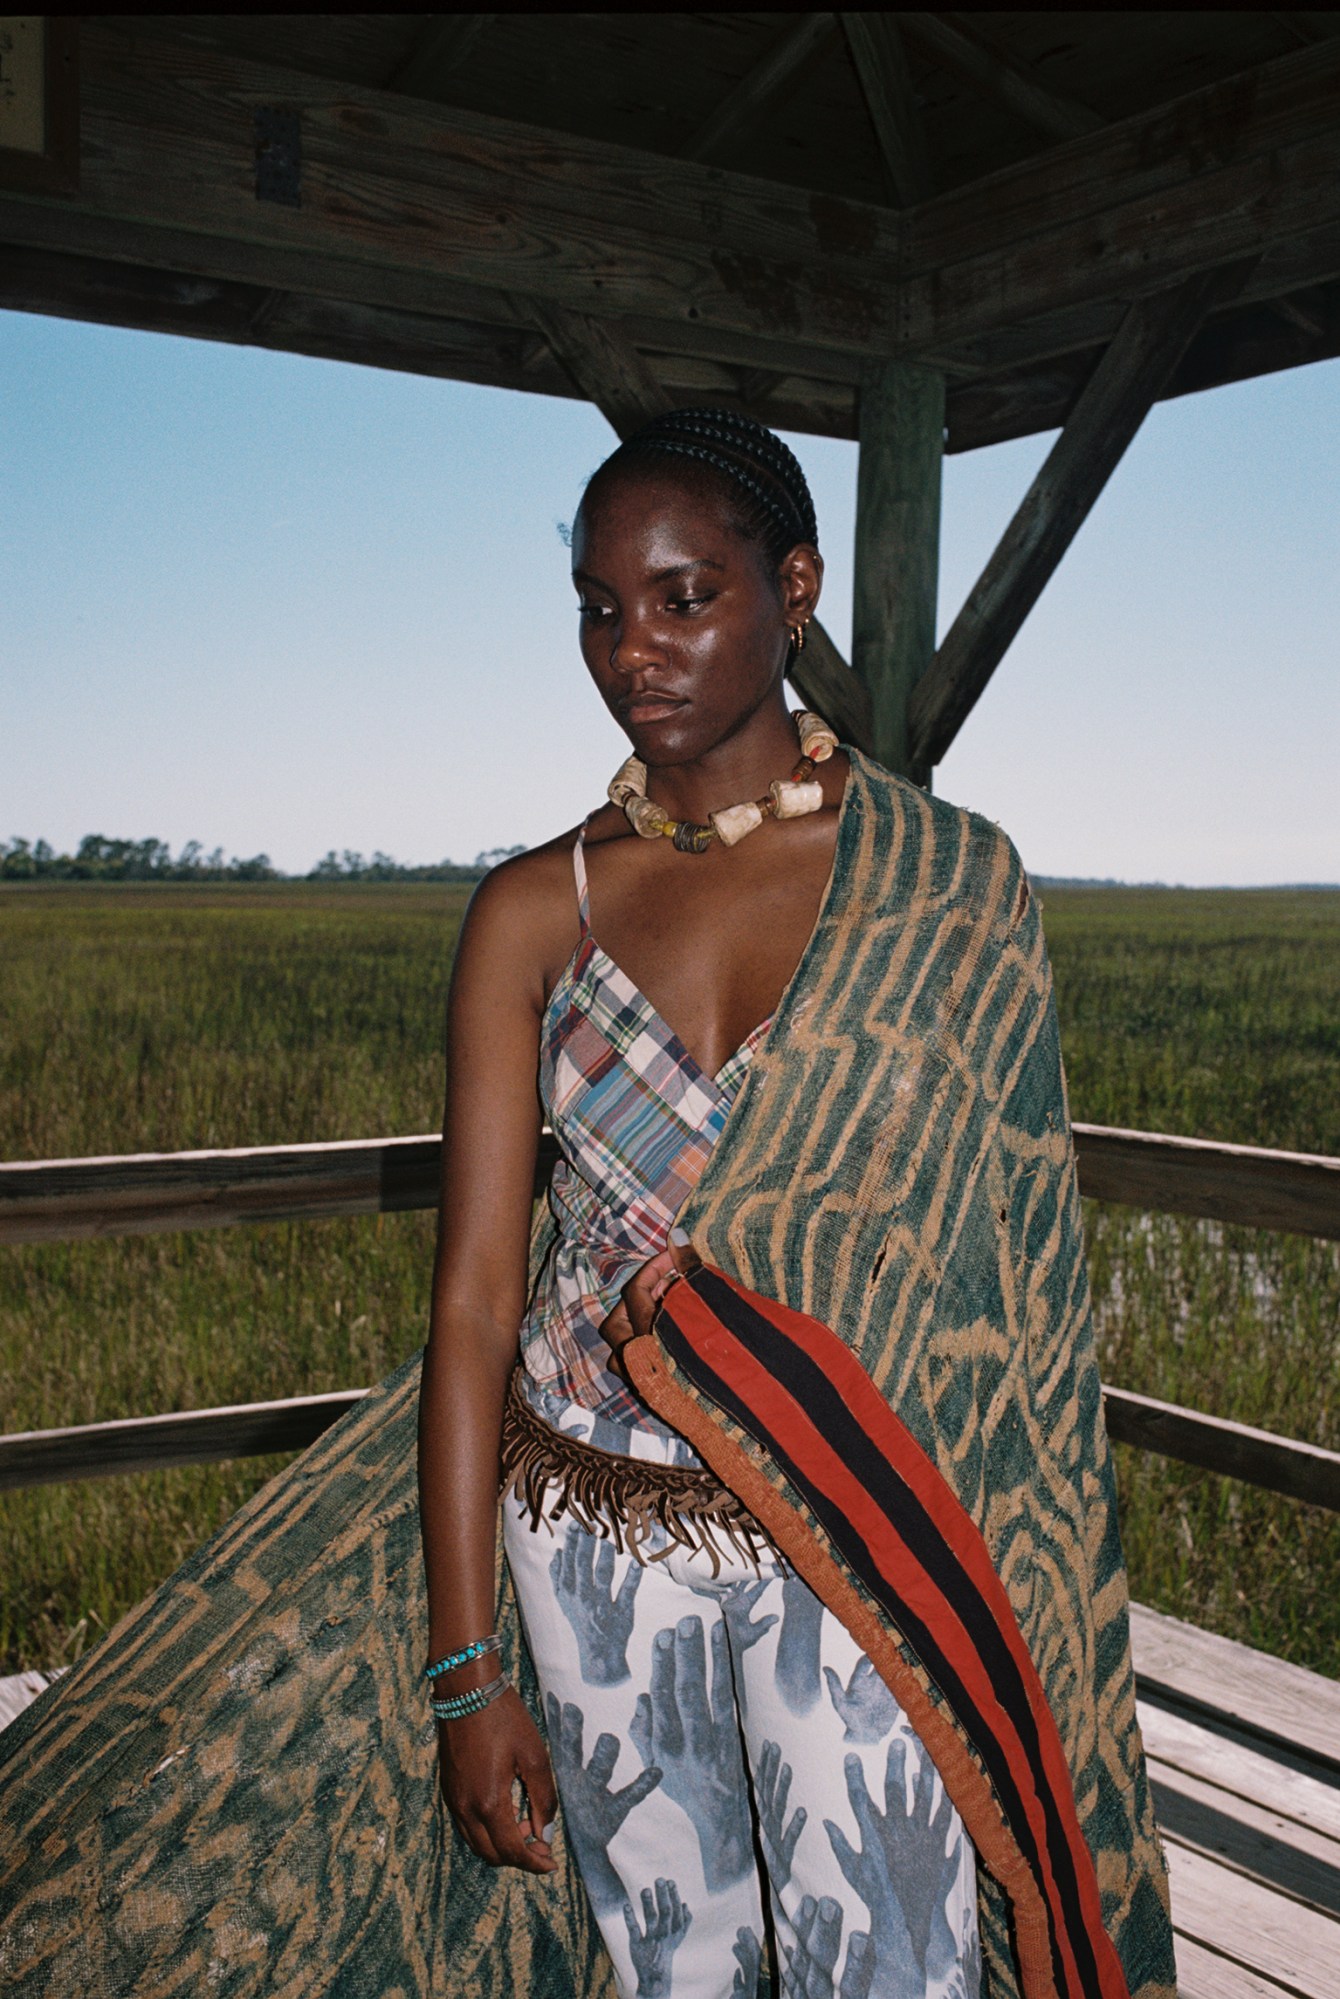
<point x="635" y="1119"/>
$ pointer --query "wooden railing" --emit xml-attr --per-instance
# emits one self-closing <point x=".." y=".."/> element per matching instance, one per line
<point x="141" y="1193"/>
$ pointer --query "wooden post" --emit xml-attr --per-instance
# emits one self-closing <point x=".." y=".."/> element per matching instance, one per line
<point x="902" y="422"/>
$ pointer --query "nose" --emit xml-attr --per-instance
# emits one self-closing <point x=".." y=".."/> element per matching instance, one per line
<point x="633" y="646"/>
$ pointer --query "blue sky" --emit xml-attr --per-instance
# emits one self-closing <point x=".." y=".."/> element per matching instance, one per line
<point x="280" y="604"/>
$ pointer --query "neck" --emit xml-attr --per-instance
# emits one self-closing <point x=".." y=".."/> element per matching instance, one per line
<point x="742" y="766"/>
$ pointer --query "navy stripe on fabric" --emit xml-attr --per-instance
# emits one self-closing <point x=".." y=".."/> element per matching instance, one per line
<point x="805" y="1380"/>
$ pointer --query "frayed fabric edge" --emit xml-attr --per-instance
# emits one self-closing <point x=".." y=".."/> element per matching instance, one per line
<point x="625" y="1500"/>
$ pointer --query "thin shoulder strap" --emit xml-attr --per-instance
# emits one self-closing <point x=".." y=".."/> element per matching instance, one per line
<point x="579" y="872"/>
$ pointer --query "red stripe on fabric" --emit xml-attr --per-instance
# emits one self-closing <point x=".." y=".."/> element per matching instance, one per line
<point x="807" y="1444"/>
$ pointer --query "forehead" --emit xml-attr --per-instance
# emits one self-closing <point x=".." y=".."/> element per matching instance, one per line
<point x="635" y="503"/>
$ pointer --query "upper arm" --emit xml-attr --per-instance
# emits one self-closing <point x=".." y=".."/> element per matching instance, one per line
<point x="491" y="1125"/>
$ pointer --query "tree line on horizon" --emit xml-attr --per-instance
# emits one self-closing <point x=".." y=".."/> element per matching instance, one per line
<point x="99" y="859"/>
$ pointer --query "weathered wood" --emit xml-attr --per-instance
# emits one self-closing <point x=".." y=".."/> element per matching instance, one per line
<point x="1251" y="1925"/>
<point x="1247" y="1834"/>
<point x="143" y="1193"/>
<point x="825" y="683"/>
<point x="881" y="66"/>
<point x="606" y="367"/>
<point x="1235" y="1450"/>
<point x="392" y="186"/>
<point x="1204" y="1973"/>
<point x="1124" y="387"/>
<point x="438" y="53"/>
<point x="1297" y="1192"/>
<point x="740" y="109"/>
<point x="1241" y="1767"/>
<point x="950" y="40"/>
<point x="1271" y="1703"/>
<point x="897" y="565"/>
<point x="151" y="1443"/>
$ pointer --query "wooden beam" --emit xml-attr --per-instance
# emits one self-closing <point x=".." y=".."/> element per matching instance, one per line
<point x="1127" y="381"/>
<point x="1233" y="1450"/>
<point x="253" y="1429"/>
<point x="742" y="107"/>
<point x="897" y="567"/>
<point x="881" y="66"/>
<point x="606" y="366"/>
<point x="71" y="1200"/>
<point x="950" y="40"/>
<point x="825" y="683"/>
<point x="397" y="193"/>
<point x="437" y="54"/>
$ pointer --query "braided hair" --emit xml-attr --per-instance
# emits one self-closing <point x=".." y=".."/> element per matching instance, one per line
<point x="772" y="497"/>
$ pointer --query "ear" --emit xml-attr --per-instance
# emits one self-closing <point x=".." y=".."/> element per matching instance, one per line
<point x="801" y="577"/>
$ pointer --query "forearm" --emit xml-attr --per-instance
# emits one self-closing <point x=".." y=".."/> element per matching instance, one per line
<point x="465" y="1377"/>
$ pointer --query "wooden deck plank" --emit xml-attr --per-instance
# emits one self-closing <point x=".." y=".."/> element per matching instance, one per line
<point x="1204" y="1974"/>
<point x="1266" y="1698"/>
<point x="1252" y="1925"/>
<point x="1241" y="1767"/>
<point x="1273" y="1850"/>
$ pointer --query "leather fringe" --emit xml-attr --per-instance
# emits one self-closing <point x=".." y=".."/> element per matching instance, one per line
<point x="622" y="1499"/>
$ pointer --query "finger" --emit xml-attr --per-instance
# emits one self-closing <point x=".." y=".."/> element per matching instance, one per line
<point x="537" y="1775"/>
<point x="862" y="1804"/>
<point x="783" y="1789"/>
<point x="628" y="1588"/>
<point x="805" y="1915"/>
<point x="691" y="1681"/>
<point x="895" y="1775"/>
<point x="686" y="1257"/>
<point x="632" y="1794"/>
<point x="827" y="1932"/>
<point x="602" y="1569"/>
<point x="767" y="1773"/>
<point x="723" y="1679"/>
<point x="634" y="1933"/>
<point x="603" y="1759"/>
<point x="617" y="1329"/>
<point x="572" y="1541"/>
<point x="640" y="1727"/>
<point x="648" y="1910"/>
<point x="570" y="1734"/>
<point x="844" y="1852"/>
<point x="794" y="1830"/>
<point x="583" y="1561"/>
<point x="667" y="1728"/>
<point x="836" y="1693"/>
<point x="510" y="1845"/>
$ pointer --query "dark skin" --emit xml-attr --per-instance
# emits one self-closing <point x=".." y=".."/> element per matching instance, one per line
<point x="685" y="629"/>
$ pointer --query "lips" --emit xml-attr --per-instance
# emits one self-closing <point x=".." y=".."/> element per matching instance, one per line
<point x="649" y="706"/>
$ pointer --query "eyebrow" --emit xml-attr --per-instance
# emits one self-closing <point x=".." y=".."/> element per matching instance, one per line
<point x="661" y="575"/>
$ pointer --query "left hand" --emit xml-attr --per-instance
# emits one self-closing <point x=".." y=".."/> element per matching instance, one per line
<point x="643" y="1292"/>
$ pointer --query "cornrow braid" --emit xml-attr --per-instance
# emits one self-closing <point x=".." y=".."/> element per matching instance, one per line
<point x="778" y="510"/>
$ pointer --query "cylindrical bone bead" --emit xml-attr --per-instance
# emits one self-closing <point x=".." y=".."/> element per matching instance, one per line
<point x="647" y="818"/>
<point x="817" y="740"/>
<point x="735" y="821"/>
<point x="629" y="781"/>
<point x="793" y="801"/>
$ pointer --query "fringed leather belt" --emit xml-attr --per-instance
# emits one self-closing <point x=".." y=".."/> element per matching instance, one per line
<point x="626" y="1500"/>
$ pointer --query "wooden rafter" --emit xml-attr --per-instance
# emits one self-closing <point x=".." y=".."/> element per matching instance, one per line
<point x="1126" y="383"/>
<point x="741" y="108"/>
<point x="952" y="42"/>
<point x="881" y="68"/>
<point x="409" y="202"/>
<point x="437" y="54"/>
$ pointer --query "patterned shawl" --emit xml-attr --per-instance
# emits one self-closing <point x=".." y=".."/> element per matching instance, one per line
<point x="235" y="1792"/>
<point x="890" y="1359"/>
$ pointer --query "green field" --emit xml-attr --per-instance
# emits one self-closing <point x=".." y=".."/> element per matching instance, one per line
<point x="162" y="1018"/>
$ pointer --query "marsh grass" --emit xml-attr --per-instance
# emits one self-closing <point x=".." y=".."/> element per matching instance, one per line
<point x="167" y="1018"/>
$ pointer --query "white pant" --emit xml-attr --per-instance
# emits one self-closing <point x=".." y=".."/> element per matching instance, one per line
<point x="710" y="1731"/>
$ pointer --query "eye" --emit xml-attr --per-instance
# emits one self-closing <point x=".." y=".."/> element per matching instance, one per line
<point x="594" y="614"/>
<point x="690" y="604"/>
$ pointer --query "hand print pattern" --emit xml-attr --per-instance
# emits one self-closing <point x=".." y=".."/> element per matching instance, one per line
<point x="719" y="1741"/>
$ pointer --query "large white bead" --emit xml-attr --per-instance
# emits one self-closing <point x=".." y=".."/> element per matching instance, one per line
<point x="647" y="817"/>
<point x="628" y="781"/>
<point x="793" y="801"/>
<point x="817" y="740"/>
<point x="735" y="821"/>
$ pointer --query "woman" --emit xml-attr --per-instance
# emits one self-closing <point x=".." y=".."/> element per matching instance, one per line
<point x="765" y="1735"/>
<point x="808" y="1506"/>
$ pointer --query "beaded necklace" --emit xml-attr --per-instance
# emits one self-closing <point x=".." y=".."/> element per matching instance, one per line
<point x="786" y="798"/>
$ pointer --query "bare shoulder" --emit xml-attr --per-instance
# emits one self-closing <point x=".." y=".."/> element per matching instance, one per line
<point x="524" y="913"/>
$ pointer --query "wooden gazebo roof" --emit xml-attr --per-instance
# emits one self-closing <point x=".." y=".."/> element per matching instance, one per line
<point x="930" y="226"/>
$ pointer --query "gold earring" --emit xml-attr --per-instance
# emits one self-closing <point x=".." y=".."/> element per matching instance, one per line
<point x="798" y="636"/>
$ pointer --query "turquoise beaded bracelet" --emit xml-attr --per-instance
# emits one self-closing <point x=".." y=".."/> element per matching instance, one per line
<point x="456" y="1706"/>
<point x="463" y="1657"/>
